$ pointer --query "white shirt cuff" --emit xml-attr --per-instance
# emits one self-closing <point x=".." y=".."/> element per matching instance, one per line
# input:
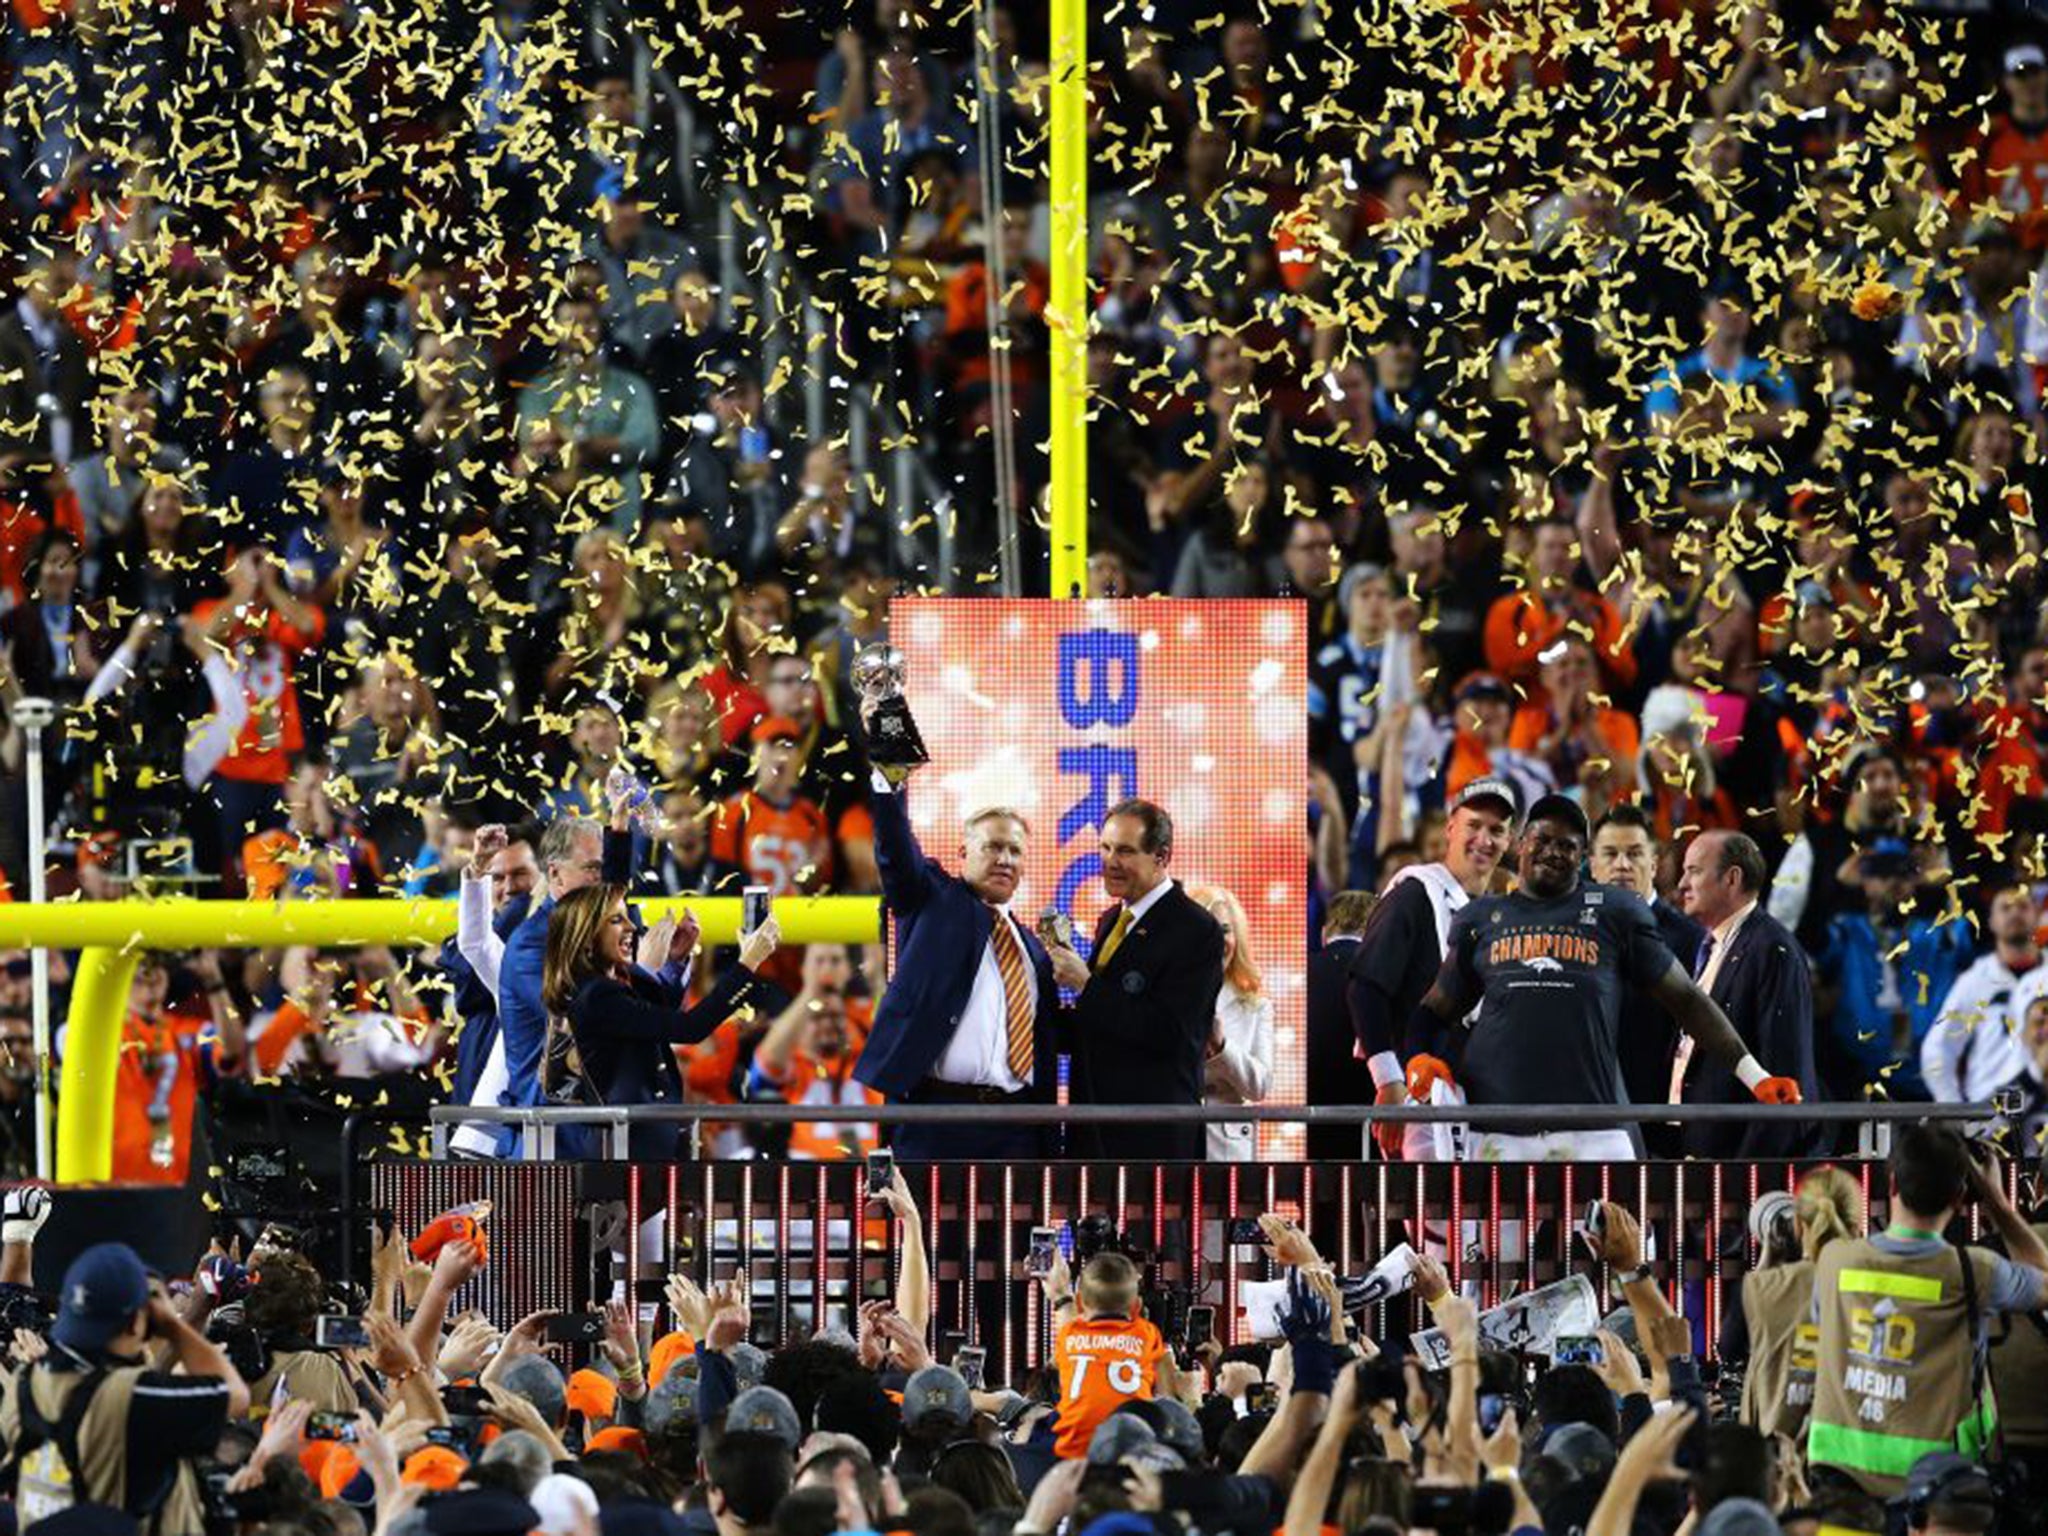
<point x="1751" y="1071"/>
<point x="880" y="781"/>
<point x="1386" y="1068"/>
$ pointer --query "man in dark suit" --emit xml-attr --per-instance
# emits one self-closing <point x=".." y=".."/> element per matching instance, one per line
<point x="1335" y="1074"/>
<point x="1753" y="967"/>
<point x="1625" y="853"/>
<point x="970" y="1012"/>
<point x="1140" y="1028"/>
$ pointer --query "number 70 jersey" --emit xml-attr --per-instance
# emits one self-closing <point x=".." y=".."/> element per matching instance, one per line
<point x="1104" y="1362"/>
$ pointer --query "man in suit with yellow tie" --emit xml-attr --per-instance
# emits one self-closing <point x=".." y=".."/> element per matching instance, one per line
<point x="1146" y="1009"/>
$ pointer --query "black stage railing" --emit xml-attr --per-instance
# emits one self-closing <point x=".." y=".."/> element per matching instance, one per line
<point x="813" y="1248"/>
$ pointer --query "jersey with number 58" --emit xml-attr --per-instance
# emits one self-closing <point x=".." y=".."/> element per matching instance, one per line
<point x="1104" y="1362"/>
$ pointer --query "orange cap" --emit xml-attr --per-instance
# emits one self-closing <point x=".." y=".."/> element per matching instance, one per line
<point x="338" y="1471"/>
<point x="619" y="1438"/>
<point x="592" y="1395"/>
<point x="313" y="1456"/>
<point x="435" y="1467"/>
<point x="668" y="1349"/>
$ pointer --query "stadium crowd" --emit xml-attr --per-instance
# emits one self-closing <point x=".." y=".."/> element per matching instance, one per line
<point x="256" y="1396"/>
<point x="343" y="514"/>
<point x="401" y="490"/>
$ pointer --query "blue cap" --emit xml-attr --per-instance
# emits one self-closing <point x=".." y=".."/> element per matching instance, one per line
<point x="480" y="1512"/>
<point x="103" y="1290"/>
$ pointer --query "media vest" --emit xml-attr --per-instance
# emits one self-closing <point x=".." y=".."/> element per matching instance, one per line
<point x="45" y="1484"/>
<point x="1777" y="1389"/>
<point x="1892" y="1377"/>
<point x="2019" y="1368"/>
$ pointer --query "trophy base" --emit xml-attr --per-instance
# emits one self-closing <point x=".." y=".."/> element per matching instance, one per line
<point x="892" y="737"/>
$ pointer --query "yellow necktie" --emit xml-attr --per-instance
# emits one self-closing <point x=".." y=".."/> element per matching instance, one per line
<point x="1116" y="937"/>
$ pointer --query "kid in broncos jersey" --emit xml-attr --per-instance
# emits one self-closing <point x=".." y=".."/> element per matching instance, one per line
<point x="1107" y="1352"/>
<point x="1546" y="965"/>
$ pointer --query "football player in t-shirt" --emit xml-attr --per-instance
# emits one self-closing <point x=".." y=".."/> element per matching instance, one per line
<point x="1546" y="965"/>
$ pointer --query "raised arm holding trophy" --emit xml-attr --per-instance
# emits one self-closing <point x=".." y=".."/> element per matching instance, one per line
<point x="971" y="1007"/>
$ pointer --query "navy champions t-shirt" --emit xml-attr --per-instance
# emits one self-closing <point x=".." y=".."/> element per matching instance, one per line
<point x="1550" y="977"/>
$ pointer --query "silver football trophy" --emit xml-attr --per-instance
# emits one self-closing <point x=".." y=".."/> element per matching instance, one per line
<point x="893" y="739"/>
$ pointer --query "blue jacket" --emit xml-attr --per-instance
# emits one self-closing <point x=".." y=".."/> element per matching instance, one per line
<point x="942" y="931"/>
<point x="1854" y="962"/>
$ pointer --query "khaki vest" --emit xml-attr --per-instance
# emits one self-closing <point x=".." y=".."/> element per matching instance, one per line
<point x="1892" y="1377"/>
<point x="1777" y="1390"/>
<point x="311" y="1375"/>
<point x="2019" y="1365"/>
<point x="102" y="1450"/>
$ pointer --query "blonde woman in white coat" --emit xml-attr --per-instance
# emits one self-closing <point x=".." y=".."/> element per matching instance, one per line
<point x="1239" y="1069"/>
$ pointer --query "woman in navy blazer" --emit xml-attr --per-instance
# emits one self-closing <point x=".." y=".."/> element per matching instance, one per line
<point x="614" y="1025"/>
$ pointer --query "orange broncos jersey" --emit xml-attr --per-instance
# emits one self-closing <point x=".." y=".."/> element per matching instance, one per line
<point x="1104" y="1362"/>
<point x="786" y="848"/>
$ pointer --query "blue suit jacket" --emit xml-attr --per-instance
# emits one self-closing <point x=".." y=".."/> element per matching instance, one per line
<point x="942" y="930"/>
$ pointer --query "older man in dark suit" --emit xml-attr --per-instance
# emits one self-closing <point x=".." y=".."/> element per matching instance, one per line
<point x="969" y="1014"/>
<point x="1147" y="1005"/>
<point x="1754" y="968"/>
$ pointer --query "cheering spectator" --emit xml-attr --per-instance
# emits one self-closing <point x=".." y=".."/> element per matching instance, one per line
<point x="1523" y="626"/>
<point x="615" y="1020"/>
<point x="1888" y="969"/>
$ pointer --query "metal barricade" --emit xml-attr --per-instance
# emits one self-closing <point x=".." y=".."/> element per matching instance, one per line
<point x="813" y="1248"/>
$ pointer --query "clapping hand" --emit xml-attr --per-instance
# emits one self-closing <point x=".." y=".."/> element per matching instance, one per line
<point x="470" y="1343"/>
<point x="653" y="951"/>
<point x="690" y="1305"/>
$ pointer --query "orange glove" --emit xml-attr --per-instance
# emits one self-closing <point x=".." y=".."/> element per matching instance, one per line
<point x="1391" y="1135"/>
<point x="1424" y="1073"/>
<point x="1778" y="1090"/>
<point x="451" y="1227"/>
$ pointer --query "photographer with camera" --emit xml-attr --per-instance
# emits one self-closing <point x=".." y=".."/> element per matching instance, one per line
<point x="1901" y="1360"/>
<point x="93" y="1421"/>
<point x="1777" y="1297"/>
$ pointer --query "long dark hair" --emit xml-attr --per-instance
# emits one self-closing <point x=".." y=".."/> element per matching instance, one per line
<point x="573" y="929"/>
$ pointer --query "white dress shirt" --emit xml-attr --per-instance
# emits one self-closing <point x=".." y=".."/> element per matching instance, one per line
<point x="1144" y="904"/>
<point x="978" y="1055"/>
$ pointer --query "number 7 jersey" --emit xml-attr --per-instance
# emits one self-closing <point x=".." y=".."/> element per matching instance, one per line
<point x="1104" y="1362"/>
